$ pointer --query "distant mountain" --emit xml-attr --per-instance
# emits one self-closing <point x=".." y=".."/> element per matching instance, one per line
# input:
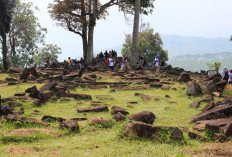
<point x="180" y="45"/>
<point x="198" y="62"/>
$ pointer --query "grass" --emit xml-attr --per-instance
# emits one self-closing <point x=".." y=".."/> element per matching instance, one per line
<point x="103" y="140"/>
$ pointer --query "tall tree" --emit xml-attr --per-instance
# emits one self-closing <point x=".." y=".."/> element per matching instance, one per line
<point x="135" y="33"/>
<point x="25" y="33"/>
<point x="6" y="7"/>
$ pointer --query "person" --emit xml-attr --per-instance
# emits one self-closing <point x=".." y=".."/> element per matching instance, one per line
<point x="157" y="63"/>
<point x="48" y="61"/>
<point x="111" y="63"/>
<point x="82" y="62"/>
<point x="141" y="60"/>
<point x="106" y="54"/>
<point x="101" y="56"/>
<point x="230" y="77"/>
<point x="123" y="63"/>
<point x="225" y="74"/>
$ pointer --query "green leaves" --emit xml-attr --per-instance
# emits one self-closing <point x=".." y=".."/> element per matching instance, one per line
<point x="149" y="44"/>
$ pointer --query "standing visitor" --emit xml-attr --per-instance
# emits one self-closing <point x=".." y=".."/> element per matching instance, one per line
<point x="111" y="63"/>
<point x="123" y="63"/>
<point x="230" y="77"/>
<point x="225" y="74"/>
<point x="48" y="61"/>
<point x="157" y="63"/>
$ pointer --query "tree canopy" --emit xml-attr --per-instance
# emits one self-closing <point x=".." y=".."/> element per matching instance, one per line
<point x="149" y="45"/>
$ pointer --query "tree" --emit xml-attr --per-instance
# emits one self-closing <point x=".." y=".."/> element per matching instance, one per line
<point x="25" y="34"/>
<point x="135" y="33"/>
<point x="80" y="16"/>
<point x="50" y="51"/>
<point x="231" y="38"/>
<point x="149" y="45"/>
<point x="6" y="7"/>
<point x="214" y="66"/>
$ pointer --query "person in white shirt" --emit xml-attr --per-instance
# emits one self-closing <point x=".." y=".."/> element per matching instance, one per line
<point x="111" y="63"/>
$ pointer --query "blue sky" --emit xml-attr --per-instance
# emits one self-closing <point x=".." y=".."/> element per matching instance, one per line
<point x="201" y="18"/>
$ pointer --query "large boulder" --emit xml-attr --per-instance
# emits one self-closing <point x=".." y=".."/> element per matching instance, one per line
<point x="184" y="77"/>
<point x="194" y="90"/>
<point x="216" y="87"/>
<point x="144" y="116"/>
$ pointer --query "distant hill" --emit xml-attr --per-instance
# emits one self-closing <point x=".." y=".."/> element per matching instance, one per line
<point x="198" y="62"/>
<point x="180" y="45"/>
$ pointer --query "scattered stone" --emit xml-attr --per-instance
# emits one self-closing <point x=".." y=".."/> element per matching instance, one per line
<point x="139" y="129"/>
<point x="208" y="98"/>
<point x="25" y="132"/>
<point x="79" y="119"/>
<point x="20" y="94"/>
<point x="144" y="116"/>
<point x="116" y="109"/>
<point x="228" y="130"/>
<point x="194" y="90"/>
<point x="209" y="106"/>
<point x="99" y="108"/>
<point x="217" y="94"/>
<point x="157" y="99"/>
<point x="156" y="85"/>
<point x="220" y="137"/>
<point x="184" y="77"/>
<point x="176" y="133"/>
<point x="71" y="125"/>
<point x="132" y="102"/>
<point x="51" y="119"/>
<point x="119" y="117"/>
<point x="195" y="104"/>
<point x="146" y="98"/>
<point x="197" y="136"/>
<point x="99" y="121"/>
<point x="48" y="86"/>
<point x="11" y="117"/>
<point x="167" y="96"/>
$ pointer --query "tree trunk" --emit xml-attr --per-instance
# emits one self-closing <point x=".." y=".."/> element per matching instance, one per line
<point x="90" y="45"/>
<point x="92" y="22"/>
<point x="4" y="52"/>
<point x="134" y="54"/>
<point x="84" y="30"/>
<point x="85" y="48"/>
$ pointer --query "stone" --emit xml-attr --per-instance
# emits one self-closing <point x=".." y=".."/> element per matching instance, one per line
<point x="26" y="132"/>
<point x="20" y="94"/>
<point x="228" y="130"/>
<point x="139" y="129"/>
<point x="144" y="116"/>
<point x="119" y="117"/>
<point x="208" y="107"/>
<point x="215" y="113"/>
<point x="51" y="119"/>
<point x="116" y="109"/>
<point x="156" y="85"/>
<point x="195" y="104"/>
<point x="99" y="121"/>
<point x="184" y="77"/>
<point x="99" y="108"/>
<point x="4" y="110"/>
<point x="48" y="86"/>
<point x="194" y="90"/>
<point x="212" y="127"/>
<point x="197" y="136"/>
<point x="11" y="117"/>
<point x="216" y="87"/>
<point x="167" y="96"/>
<point x="208" y="98"/>
<point x="146" y="98"/>
<point x="220" y="137"/>
<point x="71" y="125"/>
<point x="176" y="133"/>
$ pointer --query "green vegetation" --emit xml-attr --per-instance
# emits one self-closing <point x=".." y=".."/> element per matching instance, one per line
<point x="149" y="45"/>
<point x="105" y="139"/>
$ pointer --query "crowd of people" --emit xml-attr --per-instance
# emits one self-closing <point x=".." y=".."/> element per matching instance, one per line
<point x="227" y="75"/>
<point x="110" y="58"/>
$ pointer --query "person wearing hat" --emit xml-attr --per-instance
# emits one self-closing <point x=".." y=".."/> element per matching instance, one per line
<point x="230" y="77"/>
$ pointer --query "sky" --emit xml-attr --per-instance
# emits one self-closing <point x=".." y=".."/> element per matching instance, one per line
<point x="197" y="18"/>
